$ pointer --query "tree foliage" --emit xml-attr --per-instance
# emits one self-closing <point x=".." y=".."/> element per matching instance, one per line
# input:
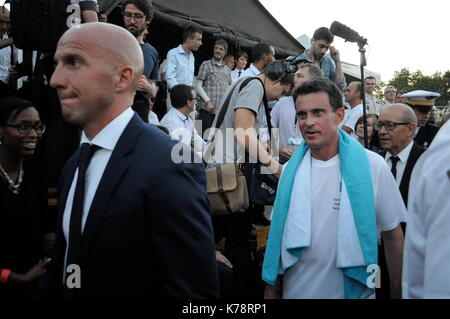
<point x="409" y="81"/>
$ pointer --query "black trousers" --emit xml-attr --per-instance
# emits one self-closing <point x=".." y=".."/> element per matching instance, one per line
<point x="207" y="119"/>
<point x="236" y="229"/>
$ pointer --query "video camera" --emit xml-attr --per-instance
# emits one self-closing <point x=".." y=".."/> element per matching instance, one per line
<point x="292" y="63"/>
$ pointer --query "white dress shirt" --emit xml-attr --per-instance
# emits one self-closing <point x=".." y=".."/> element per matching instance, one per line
<point x="181" y="128"/>
<point x="235" y="75"/>
<point x="153" y="118"/>
<point x="251" y="71"/>
<point x="106" y="139"/>
<point x="401" y="163"/>
<point x="5" y="61"/>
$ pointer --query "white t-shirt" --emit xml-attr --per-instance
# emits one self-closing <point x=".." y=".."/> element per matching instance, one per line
<point x="352" y="116"/>
<point x="316" y="275"/>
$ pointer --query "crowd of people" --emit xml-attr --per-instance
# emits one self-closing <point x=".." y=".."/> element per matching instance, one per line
<point x="357" y="213"/>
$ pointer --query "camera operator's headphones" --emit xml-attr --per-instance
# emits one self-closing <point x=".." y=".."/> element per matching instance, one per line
<point x="277" y="70"/>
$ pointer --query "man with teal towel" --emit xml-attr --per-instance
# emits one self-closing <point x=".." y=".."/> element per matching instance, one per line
<point x="335" y="199"/>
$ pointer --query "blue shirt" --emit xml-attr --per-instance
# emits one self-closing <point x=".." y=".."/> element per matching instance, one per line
<point x="151" y="57"/>
<point x="327" y="66"/>
<point x="180" y="67"/>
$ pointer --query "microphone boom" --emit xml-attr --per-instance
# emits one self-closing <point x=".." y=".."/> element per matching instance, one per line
<point x="348" y="34"/>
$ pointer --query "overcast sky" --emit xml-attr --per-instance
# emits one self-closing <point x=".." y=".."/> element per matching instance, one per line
<point x="413" y="34"/>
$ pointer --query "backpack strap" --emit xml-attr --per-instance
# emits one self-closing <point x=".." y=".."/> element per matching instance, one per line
<point x="224" y="109"/>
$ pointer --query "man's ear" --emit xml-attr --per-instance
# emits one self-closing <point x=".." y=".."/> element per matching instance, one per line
<point x="412" y="129"/>
<point x="148" y="20"/>
<point x="340" y="113"/>
<point x="124" y="78"/>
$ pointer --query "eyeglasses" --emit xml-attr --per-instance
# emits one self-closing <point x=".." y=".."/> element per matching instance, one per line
<point x="137" y="16"/>
<point x="5" y="22"/>
<point x="25" y="128"/>
<point x="390" y="92"/>
<point x="390" y="126"/>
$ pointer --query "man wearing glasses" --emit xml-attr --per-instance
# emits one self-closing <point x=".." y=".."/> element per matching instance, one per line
<point x="396" y="129"/>
<point x="5" y="50"/>
<point x="137" y="15"/>
<point x="389" y="95"/>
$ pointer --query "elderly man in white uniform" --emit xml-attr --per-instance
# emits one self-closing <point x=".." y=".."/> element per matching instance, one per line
<point x="427" y="247"/>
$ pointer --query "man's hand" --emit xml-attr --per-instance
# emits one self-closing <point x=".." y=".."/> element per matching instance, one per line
<point x="222" y="259"/>
<point x="335" y="54"/>
<point x="269" y="292"/>
<point x="285" y="153"/>
<point x="209" y="106"/>
<point x="13" y="72"/>
<point x="393" y="250"/>
<point x="146" y="86"/>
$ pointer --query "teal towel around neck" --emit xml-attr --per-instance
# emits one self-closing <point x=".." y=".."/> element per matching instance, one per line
<point x="356" y="173"/>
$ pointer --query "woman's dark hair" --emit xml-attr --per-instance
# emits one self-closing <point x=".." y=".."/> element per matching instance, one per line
<point x="10" y="107"/>
<point x="373" y="141"/>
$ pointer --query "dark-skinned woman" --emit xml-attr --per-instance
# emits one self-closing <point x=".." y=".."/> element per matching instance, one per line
<point x="25" y="225"/>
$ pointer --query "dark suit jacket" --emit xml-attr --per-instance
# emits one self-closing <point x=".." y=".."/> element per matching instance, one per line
<point x="426" y="134"/>
<point x="149" y="231"/>
<point x="414" y="155"/>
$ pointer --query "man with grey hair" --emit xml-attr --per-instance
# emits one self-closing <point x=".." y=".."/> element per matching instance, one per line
<point x="396" y="129"/>
<point x="283" y="113"/>
<point x="213" y="79"/>
<point x="389" y="95"/>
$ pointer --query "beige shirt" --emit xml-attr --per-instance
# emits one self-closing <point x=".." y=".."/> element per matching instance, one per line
<point x="374" y="104"/>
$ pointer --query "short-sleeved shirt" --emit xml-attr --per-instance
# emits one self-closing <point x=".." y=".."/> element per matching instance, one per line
<point x="352" y="116"/>
<point x="374" y="104"/>
<point x="250" y="97"/>
<point x="151" y="57"/>
<point x="316" y="275"/>
<point x="216" y="79"/>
